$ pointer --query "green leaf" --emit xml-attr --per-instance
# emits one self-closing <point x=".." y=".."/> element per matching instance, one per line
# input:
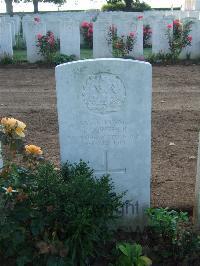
<point x="137" y="250"/>
<point x="147" y="261"/>
<point x="21" y="261"/>
<point x="123" y="249"/>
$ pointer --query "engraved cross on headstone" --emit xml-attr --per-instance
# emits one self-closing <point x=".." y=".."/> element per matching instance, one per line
<point x="108" y="170"/>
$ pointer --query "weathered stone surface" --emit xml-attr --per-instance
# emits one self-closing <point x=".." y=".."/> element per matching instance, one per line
<point x="32" y="30"/>
<point x="101" y="48"/>
<point x="6" y="47"/>
<point x="70" y="38"/>
<point x="104" y="111"/>
<point x="160" y="42"/>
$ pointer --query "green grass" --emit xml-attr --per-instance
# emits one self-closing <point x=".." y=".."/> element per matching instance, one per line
<point x="20" y="55"/>
<point x="86" y="53"/>
<point x="147" y="52"/>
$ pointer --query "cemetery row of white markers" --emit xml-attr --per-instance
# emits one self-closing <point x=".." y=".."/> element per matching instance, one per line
<point x="66" y="27"/>
<point x="104" y="115"/>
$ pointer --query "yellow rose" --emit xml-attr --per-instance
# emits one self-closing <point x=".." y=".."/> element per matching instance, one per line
<point x="9" y="190"/>
<point x="12" y="124"/>
<point x="20" y="129"/>
<point x="34" y="150"/>
<point x="9" y="122"/>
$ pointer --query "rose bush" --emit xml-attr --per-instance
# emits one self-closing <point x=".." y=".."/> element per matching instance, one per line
<point x="147" y="33"/>
<point x="178" y="34"/>
<point x="47" y="45"/>
<point x="121" y="45"/>
<point x="50" y="215"/>
<point x="87" y="31"/>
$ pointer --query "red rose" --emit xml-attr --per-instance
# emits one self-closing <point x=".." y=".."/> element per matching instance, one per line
<point x="39" y="36"/>
<point x="140" y="17"/>
<point x="37" y="19"/>
<point x="189" y="38"/>
<point x="85" y="24"/>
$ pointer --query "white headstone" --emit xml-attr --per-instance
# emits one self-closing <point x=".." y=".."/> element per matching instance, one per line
<point x="52" y="24"/>
<point x="70" y="38"/>
<point x="193" y="51"/>
<point x="32" y="30"/>
<point x="104" y="111"/>
<point x="126" y="25"/>
<point x="197" y="5"/>
<point x="160" y="42"/>
<point x="6" y="47"/>
<point x="11" y="21"/>
<point x="101" y="48"/>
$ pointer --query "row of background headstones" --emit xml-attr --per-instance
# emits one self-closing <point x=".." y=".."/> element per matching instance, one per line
<point x="9" y="29"/>
<point x="66" y="27"/>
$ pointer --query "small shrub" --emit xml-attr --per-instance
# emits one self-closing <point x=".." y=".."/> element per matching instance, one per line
<point x="147" y="32"/>
<point x="50" y="216"/>
<point x="178" y="37"/>
<point x="121" y="45"/>
<point x="172" y="234"/>
<point x="6" y="60"/>
<point x="164" y="58"/>
<point x="62" y="58"/>
<point x="47" y="45"/>
<point x="166" y="222"/>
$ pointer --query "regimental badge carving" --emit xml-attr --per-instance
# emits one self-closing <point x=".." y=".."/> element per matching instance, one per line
<point x="104" y="93"/>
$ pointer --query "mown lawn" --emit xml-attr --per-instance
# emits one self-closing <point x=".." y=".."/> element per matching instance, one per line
<point x="20" y="55"/>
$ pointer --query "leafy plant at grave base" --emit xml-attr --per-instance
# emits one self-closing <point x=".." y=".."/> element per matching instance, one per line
<point x="164" y="58"/>
<point x="6" y="59"/>
<point x="87" y="32"/>
<point x="147" y="33"/>
<point x="47" y="45"/>
<point x="121" y="45"/>
<point x="131" y="255"/>
<point x="178" y="37"/>
<point x="62" y="58"/>
<point x="172" y="235"/>
<point x="50" y="216"/>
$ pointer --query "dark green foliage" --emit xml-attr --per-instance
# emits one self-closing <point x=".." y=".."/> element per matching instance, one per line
<point x="6" y="60"/>
<point x="178" y="37"/>
<point x="147" y="33"/>
<point x="125" y="5"/>
<point x="173" y="236"/>
<point x="131" y="255"/>
<point x="163" y="58"/>
<point x="114" y="7"/>
<point x="55" y="217"/>
<point x="140" y="6"/>
<point x="62" y="58"/>
<point x="165" y="222"/>
<point x="48" y="45"/>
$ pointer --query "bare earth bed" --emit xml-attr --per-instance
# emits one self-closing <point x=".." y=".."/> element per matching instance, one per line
<point x="29" y="95"/>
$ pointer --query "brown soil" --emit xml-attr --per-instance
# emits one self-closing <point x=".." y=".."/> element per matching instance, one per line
<point x="29" y="95"/>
